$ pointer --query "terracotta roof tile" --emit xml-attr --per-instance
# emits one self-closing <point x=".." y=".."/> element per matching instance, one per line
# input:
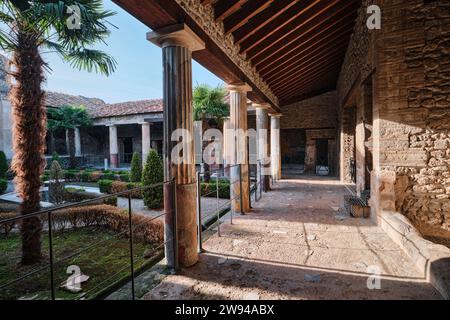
<point x="129" y="108"/>
<point x="56" y="99"/>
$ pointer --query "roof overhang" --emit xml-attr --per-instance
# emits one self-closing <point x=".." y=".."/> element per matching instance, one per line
<point x="286" y="50"/>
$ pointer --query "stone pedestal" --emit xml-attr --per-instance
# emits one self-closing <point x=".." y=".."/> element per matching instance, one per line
<point x="238" y="146"/>
<point x="178" y="42"/>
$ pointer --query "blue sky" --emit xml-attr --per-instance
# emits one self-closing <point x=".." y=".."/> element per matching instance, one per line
<point x="139" y="72"/>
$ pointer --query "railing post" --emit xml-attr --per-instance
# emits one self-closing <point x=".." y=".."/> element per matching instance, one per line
<point x="50" y="245"/>
<point x="241" y="190"/>
<point x="133" y="297"/>
<point x="199" y="213"/>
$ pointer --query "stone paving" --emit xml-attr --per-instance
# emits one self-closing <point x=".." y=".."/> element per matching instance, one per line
<point x="297" y="244"/>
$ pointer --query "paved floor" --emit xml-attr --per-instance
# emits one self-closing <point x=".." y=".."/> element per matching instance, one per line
<point x="296" y="244"/>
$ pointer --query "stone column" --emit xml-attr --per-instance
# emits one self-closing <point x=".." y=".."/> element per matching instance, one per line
<point x="262" y="131"/>
<point x="237" y="145"/>
<point x="178" y="42"/>
<point x="275" y="150"/>
<point x="77" y="142"/>
<point x="113" y="147"/>
<point x="145" y="126"/>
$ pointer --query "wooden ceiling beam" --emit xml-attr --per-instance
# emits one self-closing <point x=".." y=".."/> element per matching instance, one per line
<point x="327" y="20"/>
<point x="223" y="8"/>
<point x="263" y="18"/>
<point x="310" y="68"/>
<point x="281" y="24"/>
<point x="292" y="55"/>
<point x="306" y="95"/>
<point x="247" y="11"/>
<point x="307" y="55"/>
<point x="329" y="54"/>
<point x="319" y="72"/>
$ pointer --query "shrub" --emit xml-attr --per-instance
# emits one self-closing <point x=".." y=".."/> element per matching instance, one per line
<point x="3" y="185"/>
<point x="105" y="186"/>
<point x="153" y="173"/>
<point x="125" y="177"/>
<point x="146" y="229"/>
<point x="6" y="228"/>
<point x="56" y="187"/>
<point x="95" y="176"/>
<point x="136" y="168"/>
<point x="7" y="207"/>
<point x="109" y="176"/>
<point x="3" y="165"/>
<point x="209" y="189"/>
<point x="70" y="175"/>
<point x="79" y="195"/>
<point x="84" y="176"/>
<point x="55" y="156"/>
<point x="119" y="186"/>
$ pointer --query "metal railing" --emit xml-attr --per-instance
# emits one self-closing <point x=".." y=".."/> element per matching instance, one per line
<point x="111" y="245"/>
<point x="215" y="199"/>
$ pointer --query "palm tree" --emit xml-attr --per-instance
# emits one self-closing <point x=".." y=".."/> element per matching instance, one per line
<point x="210" y="108"/>
<point x="27" y="28"/>
<point x="68" y="118"/>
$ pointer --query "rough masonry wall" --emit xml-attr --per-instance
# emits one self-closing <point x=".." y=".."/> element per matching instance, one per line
<point x="313" y="113"/>
<point x="409" y="62"/>
<point x="423" y="112"/>
<point x="347" y="141"/>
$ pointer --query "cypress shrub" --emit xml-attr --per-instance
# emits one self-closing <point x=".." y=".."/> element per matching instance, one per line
<point x="153" y="173"/>
<point x="56" y="187"/>
<point x="136" y="168"/>
<point x="3" y="185"/>
<point x="3" y="165"/>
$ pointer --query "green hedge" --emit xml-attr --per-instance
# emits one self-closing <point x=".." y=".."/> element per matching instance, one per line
<point x="105" y="185"/>
<point x="77" y="195"/>
<point x="209" y="189"/>
<point x="3" y="185"/>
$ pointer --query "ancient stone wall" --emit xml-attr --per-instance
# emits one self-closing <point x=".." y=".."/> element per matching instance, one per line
<point x="313" y="113"/>
<point x="347" y="141"/>
<point x="410" y="69"/>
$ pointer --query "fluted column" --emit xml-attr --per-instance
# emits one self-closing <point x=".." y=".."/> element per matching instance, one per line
<point x="146" y="146"/>
<point x="275" y="150"/>
<point x="237" y="146"/>
<point x="262" y="145"/>
<point x="178" y="42"/>
<point x="113" y="147"/>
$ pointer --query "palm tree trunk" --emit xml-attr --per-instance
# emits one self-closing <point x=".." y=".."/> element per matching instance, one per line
<point x="29" y="130"/>
<point x="71" y="146"/>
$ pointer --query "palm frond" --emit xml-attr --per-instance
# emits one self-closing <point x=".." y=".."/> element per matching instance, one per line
<point x="91" y="60"/>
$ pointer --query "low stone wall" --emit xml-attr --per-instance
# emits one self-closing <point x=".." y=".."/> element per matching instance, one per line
<point x="431" y="259"/>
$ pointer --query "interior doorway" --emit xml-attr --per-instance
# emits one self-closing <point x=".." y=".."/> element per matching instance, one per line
<point x="127" y="150"/>
<point x="322" y="157"/>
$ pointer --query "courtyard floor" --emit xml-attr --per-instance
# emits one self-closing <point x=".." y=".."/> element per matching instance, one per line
<point x="297" y="244"/>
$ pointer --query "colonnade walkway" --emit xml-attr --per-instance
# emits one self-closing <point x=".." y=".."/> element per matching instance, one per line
<point x="297" y="243"/>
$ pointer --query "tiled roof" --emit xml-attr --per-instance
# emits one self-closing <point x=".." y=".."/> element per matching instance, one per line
<point x="56" y="99"/>
<point x="128" y="108"/>
<point x="98" y="108"/>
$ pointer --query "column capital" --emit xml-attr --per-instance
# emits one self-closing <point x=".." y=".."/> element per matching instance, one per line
<point x="176" y="35"/>
<point x="276" y="115"/>
<point x="263" y="106"/>
<point x="239" y="87"/>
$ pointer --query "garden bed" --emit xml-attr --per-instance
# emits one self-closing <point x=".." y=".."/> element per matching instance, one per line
<point x="105" y="264"/>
